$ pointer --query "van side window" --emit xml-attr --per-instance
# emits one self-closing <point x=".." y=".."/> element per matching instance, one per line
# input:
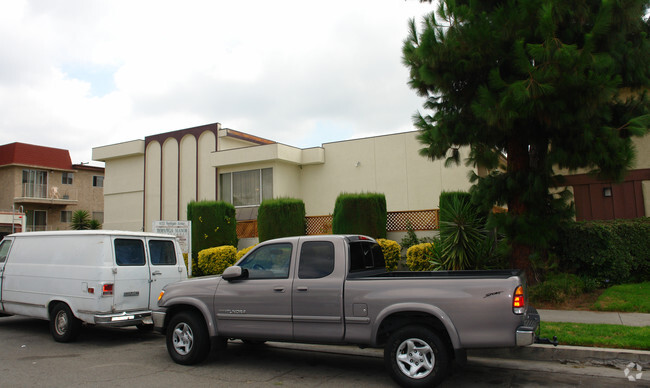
<point x="316" y="260"/>
<point x="162" y="252"/>
<point x="268" y="262"/>
<point x="4" y="250"/>
<point x="129" y="252"/>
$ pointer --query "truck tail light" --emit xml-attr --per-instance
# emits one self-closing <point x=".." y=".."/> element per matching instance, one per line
<point x="518" y="302"/>
<point x="107" y="289"/>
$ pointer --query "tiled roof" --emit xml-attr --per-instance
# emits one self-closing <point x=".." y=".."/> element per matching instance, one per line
<point x="33" y="155"/>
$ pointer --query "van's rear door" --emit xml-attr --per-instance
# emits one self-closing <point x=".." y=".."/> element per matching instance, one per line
<point x="166" y="266"/>
<point x="4" y="251"/>
<point x="132" y="275"/>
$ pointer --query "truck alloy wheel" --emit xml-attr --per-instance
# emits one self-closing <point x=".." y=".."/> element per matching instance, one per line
<point x="415" y="356"/>
<point x="188" y="341"/>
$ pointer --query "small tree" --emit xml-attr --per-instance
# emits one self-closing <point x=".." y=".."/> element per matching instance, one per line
<point x="213" y="225"/>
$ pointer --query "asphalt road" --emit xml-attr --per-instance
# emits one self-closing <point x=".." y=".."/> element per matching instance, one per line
<point x="29" y="357"/>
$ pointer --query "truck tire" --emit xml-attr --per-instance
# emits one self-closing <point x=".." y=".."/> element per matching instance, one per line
<point x="416" y="357"/>
<point x="64" y="326"/>
<point x="188" y="341"/>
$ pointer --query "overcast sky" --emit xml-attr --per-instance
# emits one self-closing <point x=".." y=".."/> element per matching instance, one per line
<point x="83" y="74"/>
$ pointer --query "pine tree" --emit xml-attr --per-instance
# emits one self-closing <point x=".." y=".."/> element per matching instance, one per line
<point x="545" y="84"/>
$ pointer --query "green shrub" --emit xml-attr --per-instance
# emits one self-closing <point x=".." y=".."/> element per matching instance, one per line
<point x="213" y="225"/>
<point x="213" y="261"/>
<point x="244" y="251"/>
<point x="360" y="214"/>
<point x="391" y="250"/>
<point x="282" y="217"/>
<point x="418" y="257"/>
<point x="558" y="288"/>
<point x="611" y="252"/>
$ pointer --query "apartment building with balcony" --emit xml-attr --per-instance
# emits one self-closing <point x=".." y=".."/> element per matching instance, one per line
<point x="40" y="188"/>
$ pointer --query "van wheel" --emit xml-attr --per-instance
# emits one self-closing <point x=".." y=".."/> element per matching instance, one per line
<point x="64" y="326"/>
<point x="416" y="357"/>
<point x="188" y="341"/>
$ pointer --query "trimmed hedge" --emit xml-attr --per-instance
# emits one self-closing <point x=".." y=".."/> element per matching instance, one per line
<point x="360" y="214"/>
<point x="281" y="217"/>
<point x="609" y="251"/>
<point x="417" y="257"/>
<point x="391" y="250"/>
<point x="214" y="261"/>
<point x="213" y="225"/>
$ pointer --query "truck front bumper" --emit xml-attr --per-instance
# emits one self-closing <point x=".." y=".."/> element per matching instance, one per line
<point x="525" y="334"/>
<point x="125" y="318"/>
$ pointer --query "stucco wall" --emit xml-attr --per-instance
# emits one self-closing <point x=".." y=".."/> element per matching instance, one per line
<point x="386" y="164"/>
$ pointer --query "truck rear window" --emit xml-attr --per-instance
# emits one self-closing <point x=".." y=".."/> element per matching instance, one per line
<point x="365" y="255"/>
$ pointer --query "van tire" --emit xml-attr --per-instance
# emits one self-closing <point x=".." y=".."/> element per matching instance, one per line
<point x="64" y="326"/>
<point x="416" y="357"/>
<point x="188" y="341"/>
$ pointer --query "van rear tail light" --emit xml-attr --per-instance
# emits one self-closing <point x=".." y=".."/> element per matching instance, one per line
<point x="107" y="289"/>
<point x="518" y="302"/>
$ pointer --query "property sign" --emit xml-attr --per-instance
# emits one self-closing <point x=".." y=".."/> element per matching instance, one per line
<point x="183" y="232"/>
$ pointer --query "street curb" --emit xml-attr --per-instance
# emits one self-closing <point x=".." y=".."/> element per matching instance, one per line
<point x="617" y="358"/>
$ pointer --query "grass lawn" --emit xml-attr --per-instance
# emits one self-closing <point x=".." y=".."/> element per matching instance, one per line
<point x="634" y="298"/>
<point x="606" y="336"/>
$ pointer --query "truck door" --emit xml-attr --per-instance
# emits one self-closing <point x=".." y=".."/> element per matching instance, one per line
<point x="132" y="276"/>
<point x="4" y="252"/>
<point x="259" y="306"/>
<point x="318" y="292"/>
<point x="166" y="266"/>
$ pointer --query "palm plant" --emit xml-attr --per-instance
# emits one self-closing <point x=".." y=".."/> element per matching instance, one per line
<point x="80" y="220"/>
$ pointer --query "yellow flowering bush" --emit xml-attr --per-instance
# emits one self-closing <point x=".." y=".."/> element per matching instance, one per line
<point x="244" y="251"/>
<point x="214" y="261"/>
<point x="391" y="250"/>
<point x="416" y="257"/>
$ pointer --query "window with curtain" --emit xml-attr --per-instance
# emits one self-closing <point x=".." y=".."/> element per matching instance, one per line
<point x="246" y="188"/>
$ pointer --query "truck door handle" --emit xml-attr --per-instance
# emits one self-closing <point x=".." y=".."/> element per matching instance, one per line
<point x="278" y="289"/>
<point x="302" y="289"/>
<point x="156" y="273"/>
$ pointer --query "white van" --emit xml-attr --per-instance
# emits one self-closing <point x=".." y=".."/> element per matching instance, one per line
<point x="99" y="277"/>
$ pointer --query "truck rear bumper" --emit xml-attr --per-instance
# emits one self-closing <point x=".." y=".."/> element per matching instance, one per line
<point x="125" y="318"/>
<point x="525" y="334"/>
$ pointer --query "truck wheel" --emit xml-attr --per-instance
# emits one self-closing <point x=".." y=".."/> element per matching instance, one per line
<point x="416" y="357"/>
<point x="188" y="341"/>
<point x="64" y="326"/>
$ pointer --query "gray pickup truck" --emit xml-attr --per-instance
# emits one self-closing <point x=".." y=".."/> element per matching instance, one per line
<point x="334" y="289"/>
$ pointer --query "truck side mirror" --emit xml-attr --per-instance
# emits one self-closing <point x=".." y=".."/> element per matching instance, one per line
<point x="235" y="273"/>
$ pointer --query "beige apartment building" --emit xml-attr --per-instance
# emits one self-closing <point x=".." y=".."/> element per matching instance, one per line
<point x="155" y="178"/>
<point x="40" y="188"/>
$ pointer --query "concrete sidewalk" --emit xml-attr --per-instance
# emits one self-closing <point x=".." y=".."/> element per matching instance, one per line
<point x="610" y="318"/>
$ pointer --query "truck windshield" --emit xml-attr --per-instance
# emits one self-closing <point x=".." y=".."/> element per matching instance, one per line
<point x="365" y="255"/>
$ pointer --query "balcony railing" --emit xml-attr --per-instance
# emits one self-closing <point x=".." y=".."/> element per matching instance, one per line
<point x="38" y="193"/>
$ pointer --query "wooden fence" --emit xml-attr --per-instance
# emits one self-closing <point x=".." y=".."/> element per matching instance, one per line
<point x="396" y="222"/>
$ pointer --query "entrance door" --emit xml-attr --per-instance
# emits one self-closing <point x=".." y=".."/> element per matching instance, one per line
<point x="132" y="276"/>
<point x="165" y="266"/>
<point x="4" y="252"/>
<point x="259" y="306"/>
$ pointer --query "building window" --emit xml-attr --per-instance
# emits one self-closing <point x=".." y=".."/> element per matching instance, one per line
<point x="66" y="216"/>
<point x="34" y="184"/>
<point x="98" y="181"/>
<point x="246" y="188"/>
<point x="66" y="178"/>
